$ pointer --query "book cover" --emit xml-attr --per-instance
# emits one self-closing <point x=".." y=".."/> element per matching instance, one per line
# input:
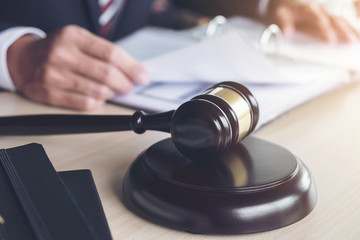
<point x="36" y="202"/>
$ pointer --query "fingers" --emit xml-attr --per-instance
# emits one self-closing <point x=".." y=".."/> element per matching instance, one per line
<point x="71" y="81"/>
<point x="110" y="53"/>
<point x="61" y="98"/>
<point x="67" y="89"/>
<point x="313" y="20"/>
<point x="330" y="28"/>
<point x="345" y="32"/>
<point x="103" y="73"/>
<point x="284" y="19"/>
<point x="357" y="8"/>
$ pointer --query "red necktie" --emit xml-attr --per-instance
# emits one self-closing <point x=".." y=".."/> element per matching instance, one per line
<point x="108" y="10"/>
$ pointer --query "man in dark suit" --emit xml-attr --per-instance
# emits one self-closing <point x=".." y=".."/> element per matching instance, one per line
<point x="63" y="60"/>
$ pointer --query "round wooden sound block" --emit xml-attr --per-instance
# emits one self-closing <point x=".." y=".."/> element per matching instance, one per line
<point x="257" y="187"/>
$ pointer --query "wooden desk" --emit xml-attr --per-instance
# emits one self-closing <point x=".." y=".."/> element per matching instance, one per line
<point x="324" y="133"/>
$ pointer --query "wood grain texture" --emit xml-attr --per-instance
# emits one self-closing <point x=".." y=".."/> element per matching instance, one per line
<point x="324" y="133"/>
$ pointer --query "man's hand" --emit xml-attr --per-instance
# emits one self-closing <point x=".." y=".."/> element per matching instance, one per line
<point x="72" y="68"/>
<point x="312" y="19"/>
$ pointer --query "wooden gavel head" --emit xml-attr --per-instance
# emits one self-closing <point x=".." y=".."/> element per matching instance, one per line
<point x="205" y="128"/>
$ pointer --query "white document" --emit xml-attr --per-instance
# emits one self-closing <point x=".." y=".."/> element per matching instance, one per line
<point x="273" y="99"/>
<point x="224" y="58"/>
<point x="151" y="42"/>
<point x="181" y="67"/>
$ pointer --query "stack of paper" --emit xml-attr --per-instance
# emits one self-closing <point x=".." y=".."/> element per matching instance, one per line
<point x="189" y="68"/>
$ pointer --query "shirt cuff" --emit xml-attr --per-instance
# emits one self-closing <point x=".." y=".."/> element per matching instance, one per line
<point x="263" y="8"/>
<point x="8" y="37"/>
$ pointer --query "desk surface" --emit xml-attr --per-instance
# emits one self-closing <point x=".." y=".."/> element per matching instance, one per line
<point x="324" y="133"/>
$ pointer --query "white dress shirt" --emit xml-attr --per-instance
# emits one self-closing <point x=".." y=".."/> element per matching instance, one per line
<point x="8" y="37"/>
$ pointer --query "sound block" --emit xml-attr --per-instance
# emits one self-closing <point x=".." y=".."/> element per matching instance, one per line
<point x="257" y="187"/>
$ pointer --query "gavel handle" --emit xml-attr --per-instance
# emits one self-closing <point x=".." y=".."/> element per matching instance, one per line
<point x="46" y="124"/>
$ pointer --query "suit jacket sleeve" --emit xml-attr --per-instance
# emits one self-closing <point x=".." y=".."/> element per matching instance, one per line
<point x="224" y="7"/>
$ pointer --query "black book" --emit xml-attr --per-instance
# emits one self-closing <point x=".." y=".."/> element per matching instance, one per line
<point x="38" y="203"/>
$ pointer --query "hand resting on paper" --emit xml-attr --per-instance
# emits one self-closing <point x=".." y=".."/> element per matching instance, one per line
<point x="312" y="19"/>
<point x="72" y="68"/>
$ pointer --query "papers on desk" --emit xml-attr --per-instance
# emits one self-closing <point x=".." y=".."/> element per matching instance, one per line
<point x="181" y="67"/>
<point x="225" y="57"/>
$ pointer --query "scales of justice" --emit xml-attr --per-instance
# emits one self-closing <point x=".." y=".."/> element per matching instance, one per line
<point x="210" y="177"/>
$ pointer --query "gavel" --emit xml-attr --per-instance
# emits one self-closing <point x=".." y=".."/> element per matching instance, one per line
<point x="202" y="129"/>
